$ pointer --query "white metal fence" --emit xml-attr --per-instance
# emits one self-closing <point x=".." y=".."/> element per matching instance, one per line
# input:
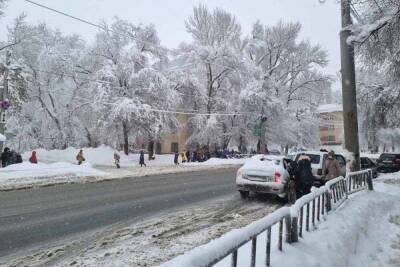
<point x="303" y="215"/>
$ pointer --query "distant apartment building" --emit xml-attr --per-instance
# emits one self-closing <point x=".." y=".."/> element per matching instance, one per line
<point x="331" y="124"/>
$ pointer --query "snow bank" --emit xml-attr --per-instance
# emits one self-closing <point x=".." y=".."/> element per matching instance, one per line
<point x="27" y="174"/>
<point x="104" y="156"/>
<point x="365" y="231"/>
<point x="329" y="108"/>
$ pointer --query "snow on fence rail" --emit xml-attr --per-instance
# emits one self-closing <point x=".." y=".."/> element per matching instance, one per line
<point x="315" y="205"/>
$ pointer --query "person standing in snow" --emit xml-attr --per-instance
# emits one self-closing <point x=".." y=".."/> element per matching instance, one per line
<point x="332" y="167"/>
<point x="80" y="158"/>
<point x="117" y="157"/>
<point x="176" y="158"/>
<point x="5" y="157"/>
<point x="183" y="155"/>
<point x="33" y="158"/>
<point x="141" y="159"/>
<point x="304" y="178"/>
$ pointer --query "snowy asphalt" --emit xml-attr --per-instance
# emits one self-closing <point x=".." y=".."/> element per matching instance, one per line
<point x="34" y="217"/>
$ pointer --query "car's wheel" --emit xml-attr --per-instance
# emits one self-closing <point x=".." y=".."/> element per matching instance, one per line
<point x="244" y="194"/>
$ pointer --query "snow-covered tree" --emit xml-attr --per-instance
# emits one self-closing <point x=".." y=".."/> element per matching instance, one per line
<point x="376" y="34"/>
<point x="133" y="92"/>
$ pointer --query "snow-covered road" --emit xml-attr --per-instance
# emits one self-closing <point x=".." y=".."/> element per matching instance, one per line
<point x="140" y="222"/>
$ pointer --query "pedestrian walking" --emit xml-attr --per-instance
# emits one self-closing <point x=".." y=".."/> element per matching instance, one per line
<point x="141" y="159"/>
<point x="176" y="158"/>
<point x="332" y="167"/>
<point x="80" y="158"/>
<point x="33" y="158"/>
<point x="304" y="179"/>
<point x="184" y="157"/>
<point x="117" y="157"/>
<point x="5" y="157"/>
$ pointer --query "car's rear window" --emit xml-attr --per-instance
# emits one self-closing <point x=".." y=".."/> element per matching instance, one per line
<point x="387" y="157"/>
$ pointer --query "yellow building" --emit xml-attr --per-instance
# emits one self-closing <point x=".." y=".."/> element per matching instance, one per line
<point x="175" y="142"/>
<point x="331" y="124"/>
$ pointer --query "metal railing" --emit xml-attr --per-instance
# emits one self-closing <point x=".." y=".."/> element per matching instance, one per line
<point x="229" y="244"/>
<point x="360" y="180"/>
<point x="306" y="212"/>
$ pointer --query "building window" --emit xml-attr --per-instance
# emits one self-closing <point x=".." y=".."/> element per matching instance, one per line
<point x="174" y="147"/>
<point x="331" y="138"/>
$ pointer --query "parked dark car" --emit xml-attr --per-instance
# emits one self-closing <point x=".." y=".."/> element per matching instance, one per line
<point x="367" y="163"/>
<point x="389" y="162"/>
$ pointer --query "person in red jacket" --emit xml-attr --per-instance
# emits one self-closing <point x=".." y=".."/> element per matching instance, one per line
<point x="33" y="158"/>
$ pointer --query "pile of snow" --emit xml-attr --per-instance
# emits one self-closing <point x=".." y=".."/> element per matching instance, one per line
<point x="373" y="156"/>
<point x="217" y="161"/>
<point x="104" y="156"/>
<point x="27" y="174"/>
<point x="329" y="108"/>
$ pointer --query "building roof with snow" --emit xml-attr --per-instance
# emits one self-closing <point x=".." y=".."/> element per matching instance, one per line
<point x="326" y="108"/>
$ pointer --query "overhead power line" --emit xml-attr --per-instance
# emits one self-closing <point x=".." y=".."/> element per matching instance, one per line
<point x="116" y="32"/>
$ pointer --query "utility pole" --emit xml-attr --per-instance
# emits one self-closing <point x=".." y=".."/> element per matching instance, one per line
<point x="4" y="96"/>
<point x="263" y="129"/>
<point x="349" y="87"/>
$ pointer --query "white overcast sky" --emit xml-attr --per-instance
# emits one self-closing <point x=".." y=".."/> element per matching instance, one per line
<point x="321" y="22"/>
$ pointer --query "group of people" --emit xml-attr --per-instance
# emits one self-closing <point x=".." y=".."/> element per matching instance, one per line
<point x="191" y="156"/>
<point x="301" y="173"/>
<point x="9" y="157"/>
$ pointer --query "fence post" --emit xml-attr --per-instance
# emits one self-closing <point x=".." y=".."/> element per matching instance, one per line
<point x="369" y="181"/>
<point x="294" y="231"/>
<point x="288" y="228"/>
<point x="328" y="200"/>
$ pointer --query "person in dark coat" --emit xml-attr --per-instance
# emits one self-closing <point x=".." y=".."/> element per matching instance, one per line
<point x="18" y="158"/>
<point x="117" y="158"/>
<point x="176" y="158"/>
<point x="141" y="159"/>
<point x="5" y="157"/>
<point x="13" y="159"/>
<point x="304" y="178"/>
<point x="188" y="155"/>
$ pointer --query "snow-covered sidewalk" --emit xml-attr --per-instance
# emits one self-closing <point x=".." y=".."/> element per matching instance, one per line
<point x="60" y="167"/>
<point x="364" y="231"/>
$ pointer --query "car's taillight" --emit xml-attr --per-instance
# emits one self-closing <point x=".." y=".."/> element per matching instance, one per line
<point x="277" y="177"/>
<point x="319" y="172"/>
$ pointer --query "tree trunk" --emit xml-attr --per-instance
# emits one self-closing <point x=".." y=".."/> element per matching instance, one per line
<point x="125" y="134"/>
<point x="150" y="149"/>
<point x="287" y="149"/>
